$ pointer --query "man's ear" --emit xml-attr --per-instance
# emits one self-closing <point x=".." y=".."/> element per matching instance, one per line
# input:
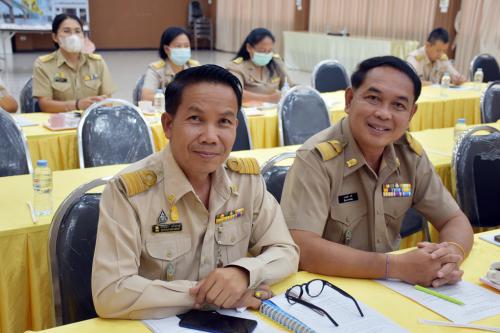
<point x="349" y="95"/>
<point x="166" y="121"/>
<point x="413" y="111"/>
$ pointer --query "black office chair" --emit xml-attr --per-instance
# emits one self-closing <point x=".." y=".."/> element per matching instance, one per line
<point x="330" y="75"/>
<point x="274" y="175"/>
<point x="301" y="114"/>
<point x="116" y="134"/>
<point x="490" y="103"/>
<point x="243" y="140"/>
<point x="14" y="154"/>
<point x="72" y="239"/>
<point x="414" y="222"/>
<point x="475" y="165"/>
<point x="195" y="11"/>
<point x="137" y="93"/>
<point x="29" y="104"/>
<point x="488" y="64"/>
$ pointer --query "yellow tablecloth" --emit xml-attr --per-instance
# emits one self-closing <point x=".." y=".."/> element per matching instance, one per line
<point x="400" y="309"/>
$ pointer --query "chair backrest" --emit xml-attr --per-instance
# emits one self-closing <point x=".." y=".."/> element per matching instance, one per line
<point x="414" y="222"/>
<point x="330" y="75"/>
<point x="116" y="134"/>
<point x="475" y="165"/>
<point x="14" y="154"/>
<point x="301" y="114"/>
<point x="243" y="139"/>
<point x="490" y="103"/>
<point x="489" y="66"/>
<point x="26" y="97"/>
<point x="195" y="11"/>
<point x="137" y="93"/>
<point x="72" y="238"/>
<point x="274" y="175"/>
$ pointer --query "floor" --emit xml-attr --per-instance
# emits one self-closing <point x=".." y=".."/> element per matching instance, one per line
<point x="125" y="66"/>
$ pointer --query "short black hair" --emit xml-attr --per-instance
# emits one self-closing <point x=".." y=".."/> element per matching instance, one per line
<point x="358" y="77"/>
<point x="59" y="19"/>
<point x="194" y="75"/>
<point x="439" y="34"/>
<point x="255" y="37"/>
<point x="167" y="37"/>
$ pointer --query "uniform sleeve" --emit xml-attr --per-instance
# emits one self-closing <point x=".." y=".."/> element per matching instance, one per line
<point x="431" y="198"/>
<point x="118" y="290"/>
<point x="306" y="199"/>
<point x="236" y="71"/>
<point x="284" y="74"/>
<point x="412" y="60"/>
<point x="275" y="254"/>
<point x="450" y="69"/>
<point x="107" y="87"/>
<point x="3" y="91"/>
<point x="151" y="80"/>
<point x="41" y="82"/>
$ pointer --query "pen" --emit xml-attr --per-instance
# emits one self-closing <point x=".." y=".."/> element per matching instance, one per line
<point x="437" y="294"/>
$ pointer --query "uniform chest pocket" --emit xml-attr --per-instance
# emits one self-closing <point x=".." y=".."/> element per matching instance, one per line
<point x="395" y="208"/>
<point x="61" y="87"/>
<point x="169" y="249"/>
<point x="92" y="85"/>
<point x="233" y="239"/>
<point x="344" y="219"/>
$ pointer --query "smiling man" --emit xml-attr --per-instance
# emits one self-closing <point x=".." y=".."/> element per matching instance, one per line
<point x="175" y="228"/>
<point x="363" y="174"/>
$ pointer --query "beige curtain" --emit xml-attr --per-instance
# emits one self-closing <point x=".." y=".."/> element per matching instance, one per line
<point x="478" y="32"/>
<point x="236" y="18"/>
<point x="396" y="19"/>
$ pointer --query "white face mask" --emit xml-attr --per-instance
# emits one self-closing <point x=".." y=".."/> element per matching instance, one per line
<point x="72" y="43"/>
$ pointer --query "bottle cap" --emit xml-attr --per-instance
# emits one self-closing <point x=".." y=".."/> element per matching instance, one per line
<point x="461" y="120"/>
<point x="159" y="91"/>
<point x="42" y="163"/>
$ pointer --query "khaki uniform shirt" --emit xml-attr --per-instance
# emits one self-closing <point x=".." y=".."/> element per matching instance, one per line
<point x="55" y="78"/>
<point x="428" y="71"/>
<point x="160" y="73"/>
<point x="138" y="273"/>
<point x="246" y="72"/>
<point x="342" y="199"/>
<point x="3" y="91"/>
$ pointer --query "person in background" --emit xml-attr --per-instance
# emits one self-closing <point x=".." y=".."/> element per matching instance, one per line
<point x="363" y="174"/>
<point x="431" y="62"/>
<point x="175" y="55"/>
<point x="261" y="72"/>
<point x="69" y="79"/>
<point x="7" y="102"/>
<point x="175" y="228"/>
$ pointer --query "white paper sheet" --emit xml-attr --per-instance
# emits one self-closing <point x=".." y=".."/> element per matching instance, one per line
<point x="23" y="122"/>
<point x="490" y="238"/>
<point x="171" y="324"/>
<point x="479" y="302"/>
<point x="342" y="310"/>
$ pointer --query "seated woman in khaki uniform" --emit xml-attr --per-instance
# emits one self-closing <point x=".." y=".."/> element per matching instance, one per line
<point x="7" y="102"/>
<point x="175" y="55"/>
<point x="69" y="79"/>
<point x="261" y="72"/>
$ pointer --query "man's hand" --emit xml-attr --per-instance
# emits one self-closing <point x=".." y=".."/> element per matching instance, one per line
<point x="458" y="79"/>
<point x="451" y="258"/>
<point x="224" y="287"/>
<point x="84" y="103"/>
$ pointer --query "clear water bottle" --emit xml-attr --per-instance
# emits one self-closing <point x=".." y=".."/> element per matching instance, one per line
<point x="285" y="87"/>
<point x="445" y="84"/>
<point x="478" y="78"/>
<point x="42" y="189"/>
<point x="159" y="101"/>
<point x="460" y="127"/>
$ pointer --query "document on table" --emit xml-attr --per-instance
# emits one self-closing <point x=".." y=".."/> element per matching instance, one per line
<point x="342" y="310"/>
<point x="22" y="121"/>
<point x="479" y="302"/>
<point x="171" y="324"/>
<point x="490" y="238"/>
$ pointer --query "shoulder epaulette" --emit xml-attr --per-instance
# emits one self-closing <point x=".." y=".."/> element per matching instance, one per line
<point x="138" y="181"/>
<point x="414" y="144"/>
<point x="276" y="55"/>
<point x="419" y="57"/>
<point x="158" y="64"/>
<point x="329" y="149"/>
<point x="47" y="57"/>
<point x="247" y="165"/>
<point x="238" y="60"/>
<point x="193" y="62"/>
<point x="444" y="57"/>
<point x="95" y="56"/>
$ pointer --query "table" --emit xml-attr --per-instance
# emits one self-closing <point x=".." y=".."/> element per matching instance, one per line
<point x="400" y="309"/>
<point x="434" y="111"/>
<point x="303" y="50"/>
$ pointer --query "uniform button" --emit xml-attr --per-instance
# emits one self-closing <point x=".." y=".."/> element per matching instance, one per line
<point x="378" y="240"/>
<point x="169" y="254"/>
<point x="233" y="239"/>
<point x="219" y="242"/>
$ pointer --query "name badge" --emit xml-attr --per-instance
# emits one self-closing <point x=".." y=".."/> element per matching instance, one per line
<point x="348" y="198"/>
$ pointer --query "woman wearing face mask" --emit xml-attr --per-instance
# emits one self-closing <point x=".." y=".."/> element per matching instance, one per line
<point x="69" y="79"/>
<point x="175" y="54"/>
<point x="261" y="72"/>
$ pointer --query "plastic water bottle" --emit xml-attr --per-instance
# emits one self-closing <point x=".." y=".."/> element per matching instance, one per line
<point x="460" y="127"/>
<point x="42" y="189"/>
<point x="445" y="84"/>
<point x="285" y="87"/>
<point x="159" y="101"/>
<point x="478" y="78"/>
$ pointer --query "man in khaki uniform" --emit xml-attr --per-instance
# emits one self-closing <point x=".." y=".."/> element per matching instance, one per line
<point x="160" y="73"/>
<point x="55" y="78"/>
<point x="363" y="174"/>
<point x="431" y="62"/>
<point x="7" y="102"/>
<point x="175" y="228"/>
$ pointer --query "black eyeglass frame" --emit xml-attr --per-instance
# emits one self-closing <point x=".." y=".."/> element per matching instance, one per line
<point x="298" y="299"/>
